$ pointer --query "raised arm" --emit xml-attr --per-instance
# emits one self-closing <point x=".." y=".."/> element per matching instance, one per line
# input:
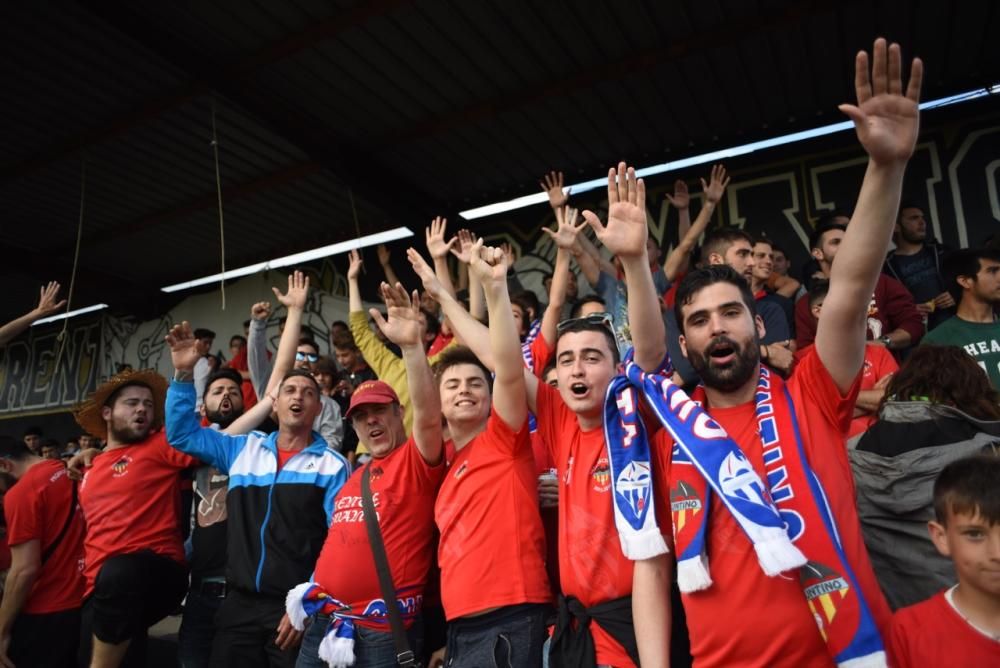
<point x="47" y="305"/>
<point x="404" y="328"/>
<point x="384" y="257"/>
<point x="509" y="399"/>
<point x="625" y="235"/>
<point x="439" y="249"/>
<point x="463" y="251"/>
<point x="681" y="200"/>
<point x="564" y="237"/>
<point x="887" y="123"/>
<point x="677" y="260"/>
<point x="260" y="365"/>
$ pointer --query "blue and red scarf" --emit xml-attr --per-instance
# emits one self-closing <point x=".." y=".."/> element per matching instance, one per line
<point x="789" y="530"/>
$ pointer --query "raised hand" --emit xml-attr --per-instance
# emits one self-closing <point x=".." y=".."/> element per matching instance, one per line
<point x="260" y="311"/>
<point x="383" y="254"/>
<point x="298" y="291"/>
<point x="436" y="245"/>
<point x="508" y="250"/>
<point x="466" y="240"/>
<point x="886" y="120"/>
<point x="354" y="266"/>
<point x="626" y="232"/>
<point x="404" y="326"/>
<point x="552" y="184"/>
<point x="566" y="228"/>
<point x="47" y="304"/>
<point x="716" y="185"/>
<point x="425" y="273"/>
<point x="489" y="264"/>
<point x="681" y="198"/>
<point x="183" y="349"/>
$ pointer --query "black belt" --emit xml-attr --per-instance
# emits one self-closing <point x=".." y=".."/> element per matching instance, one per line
<point x="212" y="588"/>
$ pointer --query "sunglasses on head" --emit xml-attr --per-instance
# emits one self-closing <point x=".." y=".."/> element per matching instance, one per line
<point x="601" y="318"/>
<point x="308" y="357"/>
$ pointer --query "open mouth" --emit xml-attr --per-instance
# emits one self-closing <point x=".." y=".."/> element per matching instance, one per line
<point x="578" y="389"/>
<point x="722" y="353"/>
<point x="296" y="409"/>
<point x="375" y="433"/>
<point x="464" y="402"/>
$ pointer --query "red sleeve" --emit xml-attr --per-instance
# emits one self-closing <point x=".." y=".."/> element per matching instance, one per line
<point x="883" y="361"/>
<point x="171" y="456"/>
<point x="897" y="646"/>
<point x="504" y="438"/>
<point x="805" y="323"/>
<point x="550" y="417"/>
<point x="419" y="468"/>
<point x="540" y="353"/>
<point x="900" y="310"/>
<point x="822" y="395"/>
<point x="22" y="508"/>
<point x="661" y="447"/>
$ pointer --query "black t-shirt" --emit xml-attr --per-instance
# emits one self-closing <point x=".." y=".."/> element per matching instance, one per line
<point x="921" y="275"/>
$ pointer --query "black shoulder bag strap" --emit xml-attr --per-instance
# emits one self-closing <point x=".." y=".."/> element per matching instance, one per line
<point x="62" y="533"/>
<point x="404" y="656"/>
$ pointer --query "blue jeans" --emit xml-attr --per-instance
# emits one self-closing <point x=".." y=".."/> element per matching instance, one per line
<point x="194" y="640"/>
<point x="372" y="649"/>
<point x="510" y="637"/>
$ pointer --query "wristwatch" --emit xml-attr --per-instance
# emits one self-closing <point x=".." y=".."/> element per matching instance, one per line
<point x="885" y="340"/>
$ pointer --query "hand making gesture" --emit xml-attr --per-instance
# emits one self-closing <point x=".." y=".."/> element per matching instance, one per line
<point x="626" y="232"/>
<point x="298" y="291"/>
<point x="183" y="349"/>
<point x="566" y="228"/>
<point x="47" y="304"/>
<point x="716" y="185"/>
<point x="354" y="265"/>
<point x="552" y="184"/>
<point x="436" y="245"/>
<point x="489" y="264"/>
<point x="404" y="326"/>
<point x="425" y="273"/>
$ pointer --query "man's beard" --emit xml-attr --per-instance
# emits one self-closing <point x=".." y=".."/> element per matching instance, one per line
<point x="734" y="374"/>
<point x="128" y="435"/>
<point x="223" y="419"/>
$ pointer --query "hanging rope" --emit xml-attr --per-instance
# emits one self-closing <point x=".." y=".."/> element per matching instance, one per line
<point x="61" y="338"/>
<point x="222" y="226"/>
<point x="357" y="223"/>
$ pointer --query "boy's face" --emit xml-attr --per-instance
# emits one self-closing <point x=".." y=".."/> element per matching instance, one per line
<point x="974" y="547"/>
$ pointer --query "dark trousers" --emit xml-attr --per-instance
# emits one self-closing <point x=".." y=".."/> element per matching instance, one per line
<point x="246" y="627"/>
<point x="132" y="592"/>
<point x="47" y="640"/>
<point x="197" y="632"/>
<point x="511" y="637"/>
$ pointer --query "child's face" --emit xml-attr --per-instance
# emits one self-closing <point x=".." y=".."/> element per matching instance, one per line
<point x="974" y="547"/>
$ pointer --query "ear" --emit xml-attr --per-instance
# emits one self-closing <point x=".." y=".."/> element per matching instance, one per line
<point x="966" y="282"/>
<point x="939" y="536"/>
<point x="817" y="254"/>
<point x="715" y="258"/>
<point x="201" y="409"/>
<point x="761" y="330"/>
<point x="684" y="347"/>
<point x="106" y="413"/>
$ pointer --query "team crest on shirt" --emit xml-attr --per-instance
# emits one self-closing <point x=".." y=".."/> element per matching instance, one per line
<point x="684" y="503"/>
<point x="120" y="467"/>
<point x="824" y="588"/>
<point x="375" y="472"/>
<point x="601" y="474"/>
<point x="460" y="471"/>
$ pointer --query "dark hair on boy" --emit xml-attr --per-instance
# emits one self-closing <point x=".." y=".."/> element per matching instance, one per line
<point x="699" y="279"/>
<point x="528" y="301"/>
<point x="583" y="301"/>
<point x="33" y="430"/>
<point x="816" y="238"/>
<point x="12" y="448"/>
<point x="202" y="333"/>
<point x="326" y="365"/>
<point x="964" y="263"/>
<point x="585" y="324"/>
<point x="945" y="375"/>
<point x="225" y="373"/>
<point x="720" y="239"/>
<point x="433" y="324"/>
<point x="818" y="289"/>
<point x="460" y="355"/>
<point x="969" y="487"/>
<point x="309" y="341"/>
<point x="344" y="341"/>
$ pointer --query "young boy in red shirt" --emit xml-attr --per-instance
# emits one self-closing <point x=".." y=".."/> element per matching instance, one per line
<point x="959" y="626"/>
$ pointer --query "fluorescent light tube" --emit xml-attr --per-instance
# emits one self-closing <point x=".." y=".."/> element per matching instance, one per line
<point x="63" y="316"/>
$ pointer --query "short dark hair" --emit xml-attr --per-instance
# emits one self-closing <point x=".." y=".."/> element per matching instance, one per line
<point x="225" y="373"/>
<point x="238" y="337"/>
<point x="246" y="323"/>
<point x="778" y="248"/>
<point x="830" y="217"/>
<point x="816" y="238"/>
<point x="326" y="365"/>
<point x="33" y="430"/>
<point x="339" y="323"/>
<point x="585" y="325"/>
<point x="11" y="448"/>
<point x="583" y="301"/>
<point x="528" y="299"/>
<point x="907" y="204"/>
<point x="818" y="289"/>
<point x="762" y="239"/>
<point x="344" y="341"/>
<point x="202" y="333"/>
<point x="309" y="341"/>
<point x="969" y="487"/>
<point x="460" y="355"/>
<point x="719" y="240"/>
<point x="294" y="373"/>
<point x="433" y="324"/>
<point x="699" y="279"/>
<point x="964" y="263"/>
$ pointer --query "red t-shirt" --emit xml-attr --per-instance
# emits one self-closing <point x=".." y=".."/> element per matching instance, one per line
<point x="592" y="567"/>
<point x="933" y="633"/>
<point x="284" y="456"/>
<point x="131" y="501"/>
<point x="492" y="549"/>
<point x="540" y="353"/>
<point x="746" y="617"/>
<point x="403" y="490"/>
<point x="36" y="508"/>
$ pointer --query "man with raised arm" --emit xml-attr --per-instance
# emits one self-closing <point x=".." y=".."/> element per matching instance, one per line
<point x="771" y="563"/>
<point x="404" y="474"/>
<point x="47" y="305"/>
<point x="597" y="580"/>
<point x="280" y="499"/>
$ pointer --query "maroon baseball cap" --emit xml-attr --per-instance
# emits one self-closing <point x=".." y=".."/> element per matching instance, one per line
<point x="372" y="392"/>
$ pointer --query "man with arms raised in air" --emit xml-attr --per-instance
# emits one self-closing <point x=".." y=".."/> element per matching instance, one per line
<point x="597" y="580"/>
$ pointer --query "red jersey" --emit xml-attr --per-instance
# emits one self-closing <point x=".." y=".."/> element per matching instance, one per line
<point x="934" y="633"/>
<point x="403" y="490"/>
<point x="774" y="625"/>
<point x="37" y="508"/>
<point x="540" y="353"/>
<point x="592" y="567"/>
<point x="492" y="549"/>
<point x="131" y="501"/>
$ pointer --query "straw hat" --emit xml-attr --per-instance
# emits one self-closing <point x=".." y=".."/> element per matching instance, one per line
<point x="88" y="412"/>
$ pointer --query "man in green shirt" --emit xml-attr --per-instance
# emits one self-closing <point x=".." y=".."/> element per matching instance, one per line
<point x="974" y="275"/>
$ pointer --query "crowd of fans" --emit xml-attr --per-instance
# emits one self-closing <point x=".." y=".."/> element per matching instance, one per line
<point x="703" y="458"/>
